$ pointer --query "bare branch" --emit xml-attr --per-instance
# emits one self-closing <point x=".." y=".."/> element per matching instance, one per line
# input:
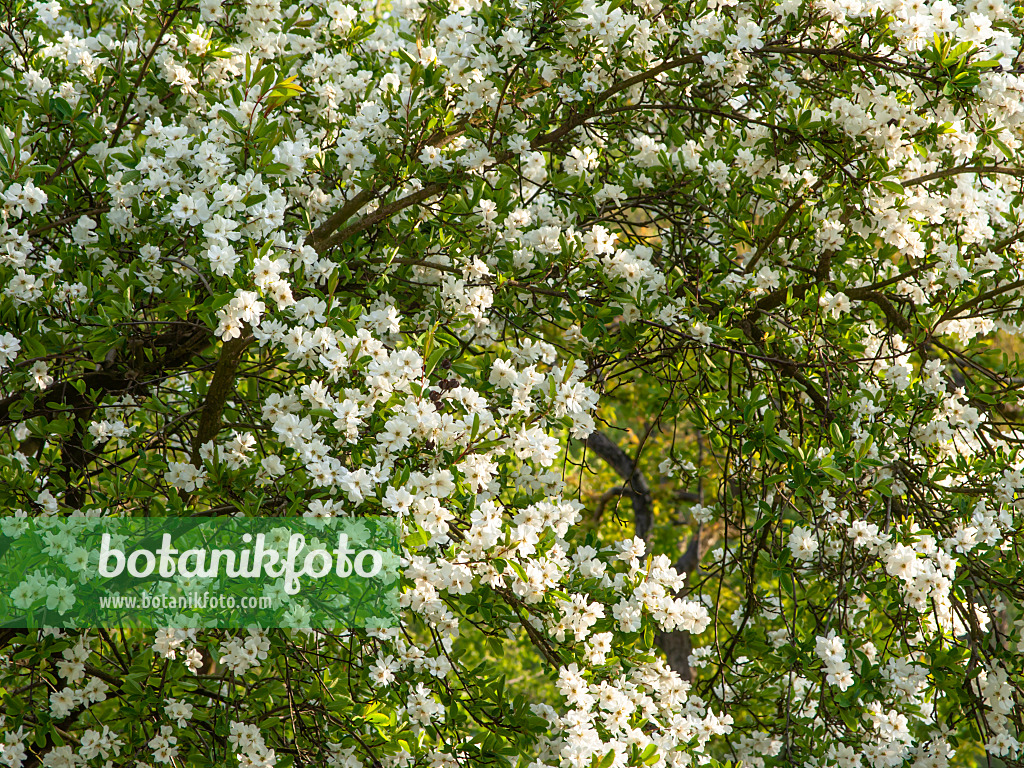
<point x="635" y="484"/>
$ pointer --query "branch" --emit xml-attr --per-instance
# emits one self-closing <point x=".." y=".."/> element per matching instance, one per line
<point x="769" y="241"/>
<point x="1005" y="170"/>
<point x="221" y="386"/>
<point x="113" y="378"/>
<point x="607" y="496"/>
<point x="337" y="219"/>
<point x="893" y="315"/>
<point x="953" y="312"/>
<point x="384" y="212"/>
<point x="635" y="485"/>
<point x="591" y="111"/>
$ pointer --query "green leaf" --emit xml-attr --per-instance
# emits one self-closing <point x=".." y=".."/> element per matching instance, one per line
<point x="61" y="107"/>
<point x="495" y="646"/>
<point x="434" y="359"/>
<point x="520" y="572"/>
<point x="417" y="539"/>
<point x="1007" y="152"/>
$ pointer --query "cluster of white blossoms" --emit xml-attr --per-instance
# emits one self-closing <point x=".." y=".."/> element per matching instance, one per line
<point x="833" y="655"/>
<point x="650" y="690"/>
<point x="803" y="543"/>
<point x="363" y="258"/>
<point x="250" y="747"/>
<point x="383" y="400"/>
<point x="239" y="654"/>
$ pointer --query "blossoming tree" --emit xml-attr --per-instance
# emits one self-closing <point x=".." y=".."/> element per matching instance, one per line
<point x="424" y="259"/>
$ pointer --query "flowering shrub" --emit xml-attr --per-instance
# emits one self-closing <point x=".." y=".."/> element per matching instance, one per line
<point x="416" y="259"/>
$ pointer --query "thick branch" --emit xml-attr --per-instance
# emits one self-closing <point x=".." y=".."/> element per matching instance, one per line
<point x="892" y="314"/>
<point x="114" y="378"/>
<point x="334" y="221"/>
<point x="384" y="212"/>
<point x="946" y="172"/>
<point x="956" y="311"/>
<point x="635" y="485"/>
<point x="221" y="387"/>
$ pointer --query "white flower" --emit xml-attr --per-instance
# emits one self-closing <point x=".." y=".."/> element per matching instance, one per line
<point x="222" y="258"/>
<point x="32" y="199"/>
<point x="184" y="476"/>
<point x="803" y="543"/>
<point x="835" y="305"/>
<point x="190" y="210"/>
<point x="26" y="593"/>
<point x="9" y="348"/>
<point x="40" y="374"/>
<point x="767" y="279"/>
<point x="60" y="596"/>
<point x="701" y="332"/>
<point x="433" y="157"/>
